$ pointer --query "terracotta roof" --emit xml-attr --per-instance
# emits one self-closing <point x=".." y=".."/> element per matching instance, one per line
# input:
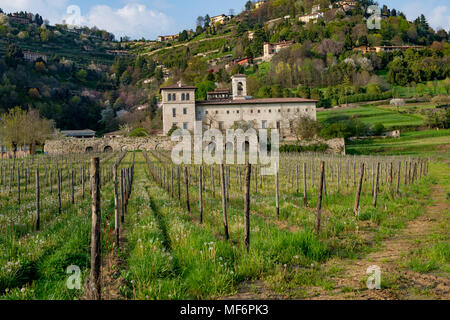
<point x="176" y="86"/>
<point x="254" y="101"/>
<point x="219" y="91"/>
<point x="239" y="74"/>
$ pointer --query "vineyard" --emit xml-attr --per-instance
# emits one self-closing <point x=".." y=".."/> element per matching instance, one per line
<point x="140" y="227"/>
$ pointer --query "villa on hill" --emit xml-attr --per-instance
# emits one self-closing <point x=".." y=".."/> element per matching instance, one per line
<point x="224" y="108"/>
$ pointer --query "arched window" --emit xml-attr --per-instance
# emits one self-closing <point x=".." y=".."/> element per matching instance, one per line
<point x="188" y="96"/>
<point x="183" y="97"/>
<point x="169" y="97"/>
<point x="174" y="97"/>
<point x="240" y="89"/>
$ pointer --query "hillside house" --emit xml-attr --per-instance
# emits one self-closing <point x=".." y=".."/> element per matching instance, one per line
<point x="33" y="56"/>
<point x="223" y="108"/>
<point x="271" y="49"/>
<point x="221" y="19"/>
<point x="311" y="17"/>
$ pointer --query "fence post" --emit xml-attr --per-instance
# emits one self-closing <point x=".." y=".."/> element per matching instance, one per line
<point x="38" y="200"/>
<point x="224" y="201"/>
<point x="186" y="183"/>
<point x="375" y="190"/>
<point x="248" y="171"/>
<point x="96" y="232"/>
<point x="305" y="193"/>
<point x="200" y="193"/>
<point x="358" y="191"/>
<point x="116" y="206"/>
<point x="59" y="191"/>
<point x="277" y="192"/>
<point x="319" y="199"/>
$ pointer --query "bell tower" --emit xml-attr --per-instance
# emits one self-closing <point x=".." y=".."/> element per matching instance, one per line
<point x="239" y="83"/>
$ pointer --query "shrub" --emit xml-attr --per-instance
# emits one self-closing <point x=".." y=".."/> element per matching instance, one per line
<point x="139" y="132"/>
<point x="319" y="147"/>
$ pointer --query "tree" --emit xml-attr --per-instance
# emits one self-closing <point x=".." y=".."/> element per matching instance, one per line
<point x="19" y="127"/>
<point x="13" y="54"/>
<point x="249" y="6"/>
<point x="305" y="127"/>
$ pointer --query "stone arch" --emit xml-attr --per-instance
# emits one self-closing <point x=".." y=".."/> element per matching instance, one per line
<point x="158" y="146"/>
<point x="246" y="146"/>
<point x="107" y="149"/>
<point x="229" y="146"/>
<point x="124" y="148"/>
<point x="89" y="150"/>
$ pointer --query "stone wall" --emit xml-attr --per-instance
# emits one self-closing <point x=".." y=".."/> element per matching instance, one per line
<point x="73" y="145"/>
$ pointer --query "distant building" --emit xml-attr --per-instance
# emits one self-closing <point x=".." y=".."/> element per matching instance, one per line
<point x="117" y="52"/>
<point x="259" y="4"/>
<point x="366" y="49"/>
<point x="80" y="134"/>
<point x="18" y="19"/>
<point x="219" y="19"/>
<point x="168" y="38"/>
<point x="347" y="5"/>
<point x="315" y="8"/>
<point x="251" y="35"/>
<point x="33" y="56"/>
<point x="311" y="17"/>
<point x="223" y="108"/>
<point x="271" y="49"/>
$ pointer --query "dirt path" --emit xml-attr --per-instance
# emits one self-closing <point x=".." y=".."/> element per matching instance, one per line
<point x="399" y="282"/>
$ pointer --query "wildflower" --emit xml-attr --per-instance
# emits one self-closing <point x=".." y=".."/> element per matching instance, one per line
<point x="22" y="290"/>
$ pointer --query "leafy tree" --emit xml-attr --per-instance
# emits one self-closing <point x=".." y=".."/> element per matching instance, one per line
<point x="305" y="127"/>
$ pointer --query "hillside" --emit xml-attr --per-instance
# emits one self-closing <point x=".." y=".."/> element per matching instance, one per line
<point x="332" y="58"/>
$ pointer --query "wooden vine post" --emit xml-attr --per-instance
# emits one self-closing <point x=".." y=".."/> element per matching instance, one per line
<point x="186" y="183"/>
<point x="200" y="193"/>
<point x="319" y="198"/>
<point x="116" y="207"/>
<point x="95" y="286"/>
<point x="375" y="190"/>
<point x="248" y="172"/>
<point x="224" y="201"/>
<point x="38" y="202"/>
<point x="358" y="191"/>
<point x="277" y="192"/>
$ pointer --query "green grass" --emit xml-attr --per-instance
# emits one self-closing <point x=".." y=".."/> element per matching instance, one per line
<point x="373" y="115"/>
<point x="424" y="143"/>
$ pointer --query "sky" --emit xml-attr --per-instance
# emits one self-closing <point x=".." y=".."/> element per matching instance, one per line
<point x="150" y="18"/>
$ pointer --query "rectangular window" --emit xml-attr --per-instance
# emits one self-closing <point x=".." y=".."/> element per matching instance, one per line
<point x="237" y="111"/>
<point x="270" y="110"/>
<point x="169" y="97"/>
<point x="185" y="125"/>
<point x="264" y="124"/>
<point x="184" y="110"/>
<point x="228" y="111"/>
<point x="251" y="111"/>
<point x="206" y="112"/>
<point x="174" y="97"/>
<point x="279" y="110"/>
<point x="174" y="112"/>
<point x="188" y="96"/>
<point x="278" y="125"/>
<point x="259" y="111"/>
<point x="220" y="125"/>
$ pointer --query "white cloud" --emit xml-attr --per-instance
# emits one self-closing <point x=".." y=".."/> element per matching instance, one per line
<point x="438" y="16"/>
<point x="48" y="9"/>
<point x="134" y="20"/>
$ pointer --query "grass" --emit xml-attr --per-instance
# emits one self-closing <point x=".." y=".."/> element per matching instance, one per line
<point x="372" y="115"/>
<point x="173" y="256"/>
<point x="424" y="143"/>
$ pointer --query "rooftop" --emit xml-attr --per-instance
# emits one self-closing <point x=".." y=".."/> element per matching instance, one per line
<point x="254" y="101"/>
<point x="178" y="86"/>
<point x="78" y="133"/>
